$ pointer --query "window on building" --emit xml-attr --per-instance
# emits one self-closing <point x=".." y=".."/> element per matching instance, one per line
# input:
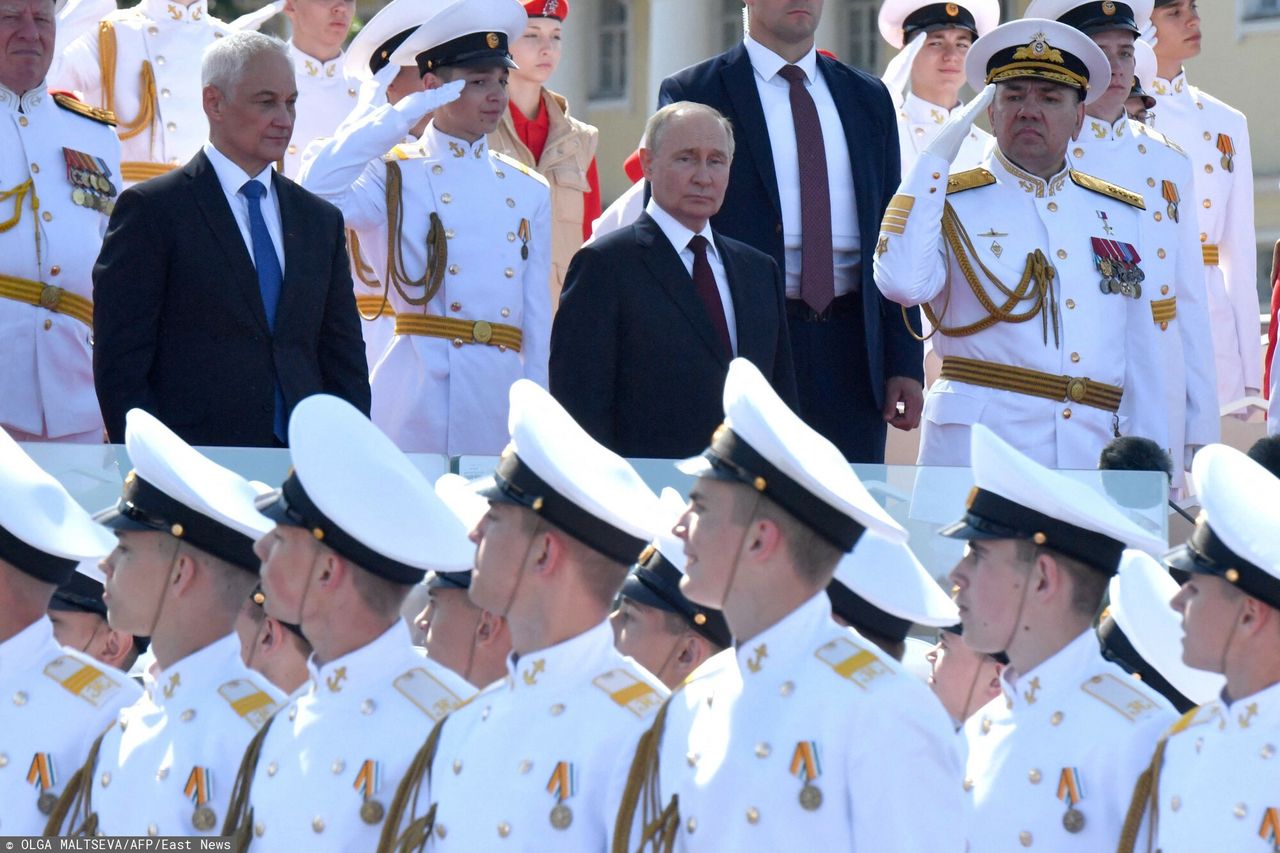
<point x="731" y="22"/>
<point x="1259" y="10"/>
<point x="611" y="50"/>
<point x="862" y="35"/>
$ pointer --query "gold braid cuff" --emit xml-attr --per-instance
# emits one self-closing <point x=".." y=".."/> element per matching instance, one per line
<point x="146" y="85"/>
<point x="418" y="830"/>
<point x="369" y="306"/>
<point x="75" y="804"/>
<point x="437" y="250"/>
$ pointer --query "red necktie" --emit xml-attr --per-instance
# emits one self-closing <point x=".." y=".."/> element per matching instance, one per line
<point x="817" y="261"/>
<point x="704" y="284"/>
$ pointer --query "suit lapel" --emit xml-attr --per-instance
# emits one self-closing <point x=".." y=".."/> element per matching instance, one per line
<point x="217" y="213"/>
<point x="295" y="252"/>
<point x="668" y="270"/>
<point x="865" y="161"/>
<point x="750" y="133"/>
<point x="743" y="293"/>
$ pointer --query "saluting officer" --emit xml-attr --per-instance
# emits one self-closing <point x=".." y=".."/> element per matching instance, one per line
<point x="804" y="729"/>
<point x="59" y="177"/>
<point x="1216" y="138"/>
<point x="1128" y="153"/>
<point x="1027" y="268"/>
<point x="181" y="571"/>
<point x="1052" y="760"/>
<point x="1212" y="780"/>
<point x="356" y="526"/>
<point x="57" y="700"/>
<point x="471" y="231"/>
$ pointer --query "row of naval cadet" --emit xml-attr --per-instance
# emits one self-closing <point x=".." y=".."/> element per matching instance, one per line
<point x="725" y="709"/>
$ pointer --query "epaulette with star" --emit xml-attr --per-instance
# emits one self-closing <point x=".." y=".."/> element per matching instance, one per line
<point x="248" y="701"/>
<point x="1097" y="185"/>
<point x="628" y="691"/>
<point x="518" y="166"/>
<point x="854" y="662"/>
<point x="84" y="680"/>
<point x="70" y="102"/>
<point x="427" y="692"/>
<point x="969" y="180"/>
<point x="1120" y="696"/>
<point x="403" y="151"/>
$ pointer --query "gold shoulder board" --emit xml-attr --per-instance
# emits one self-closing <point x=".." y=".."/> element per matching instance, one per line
<point x="69" y="102"/>
<point x="517" y="165"/>
<point x="968" y="180"/>
<point x="1125" y="700"/>
<point x="1107" y="188"/>
<point x="88" y="682"/>
<point x="853" y="662"/>
<point x="402" y="152"/>
<point x="1197" y="716"/>
<point x="426" y="691"/>
<point x="637" y="696"/>
<point x="250" y="703"/>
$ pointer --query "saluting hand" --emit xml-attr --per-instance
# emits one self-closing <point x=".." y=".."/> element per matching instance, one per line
<point x="948" y="141"/>
<point x="420" y="104"/>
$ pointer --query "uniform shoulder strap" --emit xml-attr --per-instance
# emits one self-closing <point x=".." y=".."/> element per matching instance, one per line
<point x="1107" y="188"/>
<point x="68" y="101"/>
<point x="968" y="180"/>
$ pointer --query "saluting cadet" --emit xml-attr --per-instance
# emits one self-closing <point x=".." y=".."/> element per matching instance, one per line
<point x="538" y="760"/>
<point x="925" y="78"/>
<point x="325" y="93"/>
<point x="57" y="700"/>
<point x="804" y="729"/>
<point x="1027" y="268"/>
<point x="471" y="230"/>
<point x="79" y="617"/>
<point x="1216" y="138"/>
<point x="140" y="64"/>
<point x="1212" y="783"/>
<point x="182" y="568"/>
<point x="1114" y="147"/>
<point x="653" y="621"/>
<point x="1052" y="760"/>
<point x="356" y="525"/>
<point x="59" y="177"/>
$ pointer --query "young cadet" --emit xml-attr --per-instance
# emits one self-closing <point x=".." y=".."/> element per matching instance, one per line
<point x="356" y="525"/>
<point x="1212" y="783"/>
<point x="472" y="231"/>
<point x="1114" y="147"/>
<point x="79" y="617"/>
<point x="57" y="700"/>
<point x="182" y="568"/>
<point x="804" y="729"/>
<point x="276" y="649"/>
<point x="962" y="679"/>
<point x="325" y="94"/>
<point x="1051" y="761"/>
<point x="538" y="760"/>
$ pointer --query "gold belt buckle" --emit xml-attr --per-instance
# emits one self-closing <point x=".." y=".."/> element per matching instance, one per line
<point x="482" y="332"/>
<point x="1076" y="389"/>
<point x="50" y="296"/>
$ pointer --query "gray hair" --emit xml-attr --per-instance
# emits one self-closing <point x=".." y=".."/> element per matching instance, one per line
<point x="658" y="122"/>
<point x="224" y="61"/>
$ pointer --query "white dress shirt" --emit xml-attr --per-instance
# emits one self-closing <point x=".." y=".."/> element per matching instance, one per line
<point x="680" y="237"/>
<point x="232" y="178"/>
<point x="775" y="99"/>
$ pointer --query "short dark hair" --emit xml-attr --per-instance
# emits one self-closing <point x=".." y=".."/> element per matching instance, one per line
<point x="1266" y="452"/>
<point x="1088" y="585"/>
<point x="815" y="558"/>
<point x="380" y="595"/>
<point x="1134" y="453"/>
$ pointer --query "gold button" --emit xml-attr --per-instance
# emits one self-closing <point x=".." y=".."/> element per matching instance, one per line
<point x="187" y="715"/>
<point x="1151" y="182"/>
<point x="106" y="779"/>
<point x="557" y="709"/>
<point x="22" y="120"/>
<point x="1164" y="290"/>
<point x="500" y="174"/>
<point x="55" y="270"/>
<point x="691" y="824"/>
<point x="1175" y="803"/>
<point x="504" y="829"/>
<point x="162" y="774"/>
<point x="937" y="175"/>
<point x="4" y="760"/>
<point x="1208" y="168"/>
<point x="1208" y="203"/>
<point x="1207" y="136"/>
<point x="753" y="815"/>
<point x="152" y="30"/>
<point x="505" y="312"/>
<point x="484" y="715"/>
<point x="160" y="60"/>
<point x="446" y="198"/>
<point x="919" y="131"/>
<point x="762" y="750"/>
<point x="986" y="725"/>
<point x="338" y="766"/>
<point x="787" y="688"/>
<point x="1267" y="751"/>
<point x="48" y="324"/>
<point x="437" y="170"/>
<point x="1160" y="253"/>
<point x="1142" y="149"/>
<point x="153" y="830"/>
<point x="511" y="237"/>
<point x="1053" y="206"/>
<point x="1034" y="776"/>
<point x="933" y="189"/>
<point x="164" y="93"/>
<point x="1062" y="254"/>
<point x="1024" y="838"/>
<point x="293" y="713"/>
<point x="272" y="768"/>
<point x="511" y="202"/>
<point x="317" y="824"/>
<point x="1158" y="216"/>
<point x="1071" y="303"/>
<point x="1066" y="414"/>
<point x="293" y="149"/>
<point x="968" y="784"/>
<point x="259" y="828"/>
<point x="351" y="92"/>
<point x="457" y="766"/>
<point x="1077" y="152"/>
<point x="1204" y="238"/>
<point x="448" y="233"/>
<point x="456" y="306"/>
<point x="47" y="216"/>
<point x="525" y="766"/>
<point x="171" y="126"/>
<point x="453" y="269"/>
<point x="441" y="831"/>
<point x="1164" y="325"/>
<point x="35" y="168"/>
<point x="1240" y="810"/>
<point x="1075" y="357"/>
<point x="509" y="272"/>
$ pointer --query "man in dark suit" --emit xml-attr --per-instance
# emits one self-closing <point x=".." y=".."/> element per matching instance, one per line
<point x="817" y="164"/>
<point x="222" y="295"/>
<point x="652" y="314"/>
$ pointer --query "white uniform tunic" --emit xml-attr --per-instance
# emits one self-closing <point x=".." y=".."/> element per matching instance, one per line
<point x="918" y="124"/>
<point x="538" y="761"/>
<point x="47" y="238"/>
<point x="810" y="705"/>
<point x="1223" y="201"/>
<point x="1007" y="220"/>
<point x="169" y="38"/>
<point x="55" y="704"/>
<point x="325" y="96"/>
<point x="347" y="737"/>
<point x="1130" y="154"/>
<point x="433" y="394"/>
<point x="177" y="749"/>
<point x="1076" y="728"/>
<point x="1219" y="787"/>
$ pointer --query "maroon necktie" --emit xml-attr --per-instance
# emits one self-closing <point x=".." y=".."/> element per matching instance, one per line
<point x="817" y="262"/>
<point x="704" y="284"/>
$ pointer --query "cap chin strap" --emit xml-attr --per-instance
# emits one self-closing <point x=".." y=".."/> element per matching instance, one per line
<point x="737" y="557"/>
<point x="89" y="642"/>
<point x="1226" y="647"/>
<point x="257" y="640"/>
<point x="675" y="646"/>
<point x="968" y="708"/>
<point x="1017" y="622"/>
<point x="306" y="590"/>
<point x="524" y="561"/>
<point x="475" y="641"/>
<point x="164" y="593"/>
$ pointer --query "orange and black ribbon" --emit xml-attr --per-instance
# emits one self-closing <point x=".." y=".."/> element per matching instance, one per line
<point x="369" y="779"/>
<point x="1170" y="192"/>
<point x="198" y="786"/>
<point x="41" y="773"/>
<point x="1070" y="791"/>
<point x="1228" y="149"/>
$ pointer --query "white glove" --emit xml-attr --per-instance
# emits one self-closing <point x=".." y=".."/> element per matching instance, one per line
<point x="419" y="104"/>
<point x="948" y="141"/>
<point x="373" y="92"/>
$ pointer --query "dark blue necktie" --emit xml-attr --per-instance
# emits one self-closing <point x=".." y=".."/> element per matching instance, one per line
<point x="270" y="280"/>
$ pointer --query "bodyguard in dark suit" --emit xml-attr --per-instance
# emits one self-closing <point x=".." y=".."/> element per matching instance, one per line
<point x="222" y="295"/>
<point x="818" y="216"/>
<point x="652" y="314"/>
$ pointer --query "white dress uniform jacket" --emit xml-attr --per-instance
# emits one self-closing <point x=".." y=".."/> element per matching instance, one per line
<point x="1218" y="786"/>
<point x="334" y="755"/>
<point x="449" y="394"/>
<point x="1071" y="735"/>
<point x="538" y="761"/>
<point x="918" y="124"/>
<point x="1006" y="215"/>
<point x="48" y="243"/>
<point x="56" y="703"/>
<point x="325" y="96"/>
<point x="1207" y="129"/>
<point x="161" y="123"/>
<point x="809" y="732"/>
<point x="168" y="766"/>
<point x="1130" y="154"/>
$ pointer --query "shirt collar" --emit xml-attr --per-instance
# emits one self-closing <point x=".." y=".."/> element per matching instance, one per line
<point x="307" y="65"/>
<point x="767" y="63"/>
<point x="437" y="143"/>
<point x="1177" y="86"/>
<point x="231" y="176"/>
<point x="1260" y="709"/>
<point x="1095" y="129"/>
<point x="23" y="649"/>
<point x="26" y="102"/>
<point x="1015" y="174"/>
<point x="168" y="11"/>
<point x="370" y="663"/>
<point x="919" y="111"/>
<point x="677" y="233"/>
<point x="564" y="663"/>
<point x="1059" y="672"/>
<point x="788" y="640"/>
<point x="196" y="674"/>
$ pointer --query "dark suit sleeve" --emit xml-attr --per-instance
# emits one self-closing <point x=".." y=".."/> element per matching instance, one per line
<point x="784" y="374"/>
<point x="344" y="369"/>
<point x="128" y="295"/>
<point x="669" y="92"/>
<point x="584" y="344"/>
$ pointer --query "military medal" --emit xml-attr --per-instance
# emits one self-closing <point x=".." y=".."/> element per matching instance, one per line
<point x="371" y="812"/>
<point x="204" y="819"/>
<point x="523" y="234"/>
<point x="42" y="776"/>
<point x="90" y="179"/>
<point x="1269" y="830"/>
<point x="562" y="785"/>
<point x="806" y="765"/>
<point x="1228" y="149"/>
<point x="1071" y="792"/>
<point x="366" y="785"/>
<point x="1118" y="263"/>
<point x="198" y="789"/>
<point x="1169" y="190"/>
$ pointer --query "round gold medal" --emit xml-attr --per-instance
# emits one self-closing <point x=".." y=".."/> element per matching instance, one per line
<point x="204" y="819"/>
<point x="46" y="802"/>
<point x="1073" y="820"/>
<point x="78" y="196"/>
<point x="371" y="811"/>
<point x="811" y="798"/>
<point x="561" y="816"/>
